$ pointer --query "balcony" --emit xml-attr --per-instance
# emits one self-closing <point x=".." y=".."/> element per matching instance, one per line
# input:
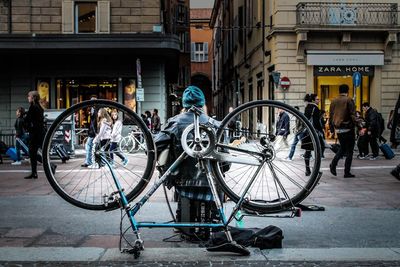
<point x="347" y="15"/>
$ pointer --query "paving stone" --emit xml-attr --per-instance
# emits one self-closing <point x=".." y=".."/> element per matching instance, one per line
<point x="51" y="240"/>
<point x="101" y="241"/>
<point x="25" y="232"/>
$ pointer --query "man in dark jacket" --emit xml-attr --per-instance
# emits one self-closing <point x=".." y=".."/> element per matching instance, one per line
<point x="342" y="116"/>
<point x="373" y="128"/>
<point x="155" y="122"/>
<point x="34" y="121"/>
<point x="19" y="133"/>
<point x="92" y="131"/>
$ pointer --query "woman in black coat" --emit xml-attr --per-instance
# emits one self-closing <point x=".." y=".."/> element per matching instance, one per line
<point x="312" y="113"/>
<point x="34" y="121"/>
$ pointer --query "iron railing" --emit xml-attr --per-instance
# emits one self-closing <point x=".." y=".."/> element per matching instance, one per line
<point x="347" y="14"/>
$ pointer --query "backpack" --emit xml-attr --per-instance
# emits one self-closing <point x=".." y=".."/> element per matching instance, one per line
<point x="381" y="122"/>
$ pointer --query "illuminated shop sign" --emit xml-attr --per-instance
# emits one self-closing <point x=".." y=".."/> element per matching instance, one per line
<point x="343" y="70"/>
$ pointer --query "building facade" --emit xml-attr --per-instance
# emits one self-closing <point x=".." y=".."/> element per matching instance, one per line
<point x="201" y="48"/>
<point x="72" y="50"/>
<point x="313" y="46"/>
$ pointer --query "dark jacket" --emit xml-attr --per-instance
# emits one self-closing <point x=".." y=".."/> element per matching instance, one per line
<point x="342" y="112"/>
<point x="188" y="174"/>
<point x="19" y="127"/>
<point x="372" y="124"/>
<point x="395" y="122"/>
<point x="156" y="123"/>
<point x="93" y="123"/>
<point x="312" y="113"/>
<point x="283" y="124"/>
<point x="34" y="122"/>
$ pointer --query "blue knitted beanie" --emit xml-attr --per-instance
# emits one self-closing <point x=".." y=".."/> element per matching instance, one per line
<point x="193" y="96"/>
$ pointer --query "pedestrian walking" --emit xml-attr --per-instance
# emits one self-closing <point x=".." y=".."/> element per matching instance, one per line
<point x="312" y="113"/>
<point x="34" y="122"/>
<point x="103" y="137"/>
<point x="20" y="133"/>
<point x="92" y="131"/>
<point x="342" y="115"/>
<point x="373" y="128"/>
<point x="155" y="122"/>
<point x="362" y="137"/>
<point x="394" y="124"/>
<point x="147" y="119"/>
<point x="116" y="138"/>
<point x="282" y="127"/>
<point x="298" y="131"/>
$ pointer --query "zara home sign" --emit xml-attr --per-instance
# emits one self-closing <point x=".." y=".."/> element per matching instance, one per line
<point x="343" y="70"/>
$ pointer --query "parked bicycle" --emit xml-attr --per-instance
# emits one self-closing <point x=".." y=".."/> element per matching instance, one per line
<point x="253" y="173"/>
<point x="133" y="142"/>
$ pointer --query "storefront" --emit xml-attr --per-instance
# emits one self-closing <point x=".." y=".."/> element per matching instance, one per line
<point x="334" y="68"/>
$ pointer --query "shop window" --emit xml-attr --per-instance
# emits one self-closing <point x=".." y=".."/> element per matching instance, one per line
<point x="43" y="87"/>
<point x="199" y="52"/>
<point x="85" y="17"/>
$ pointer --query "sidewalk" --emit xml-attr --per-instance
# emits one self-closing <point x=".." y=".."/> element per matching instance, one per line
<point x="26" y="235"/>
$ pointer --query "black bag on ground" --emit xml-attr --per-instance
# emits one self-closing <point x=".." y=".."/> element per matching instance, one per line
<point x="266" y="238"/>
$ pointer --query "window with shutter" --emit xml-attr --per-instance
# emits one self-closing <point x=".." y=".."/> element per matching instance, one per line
<point x="103" y="17"/>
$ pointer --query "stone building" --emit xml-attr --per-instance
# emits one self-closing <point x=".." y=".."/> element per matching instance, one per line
<point x="201" y="48"/>
<point x="70" y="50"/>
<point x="313" y="46"/>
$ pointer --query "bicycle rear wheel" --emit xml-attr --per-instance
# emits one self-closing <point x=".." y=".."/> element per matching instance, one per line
<point x="257" y="161"/>
<point x="92" y="187"/>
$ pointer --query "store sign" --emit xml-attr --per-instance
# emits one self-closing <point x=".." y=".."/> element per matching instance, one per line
<point x="342" y="58"/>
<point x="140" y="94"/>
<point x="343" y="70"/>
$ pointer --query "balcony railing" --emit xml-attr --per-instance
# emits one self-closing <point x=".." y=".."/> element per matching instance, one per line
<point x="347" y="14"/>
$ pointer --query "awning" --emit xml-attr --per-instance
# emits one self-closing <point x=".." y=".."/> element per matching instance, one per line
<point x="344" y="58"/>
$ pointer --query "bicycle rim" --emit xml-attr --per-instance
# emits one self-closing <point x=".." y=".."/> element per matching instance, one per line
<point x="258" y="157"/>
<point x="93" y="187"/>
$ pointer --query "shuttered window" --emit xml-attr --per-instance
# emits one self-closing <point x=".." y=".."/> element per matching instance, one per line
<point x="199" y="52"/>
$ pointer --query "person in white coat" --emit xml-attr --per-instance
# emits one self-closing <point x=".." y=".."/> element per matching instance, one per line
<point x="104" y="135"/>
<point x="116" y="138"/>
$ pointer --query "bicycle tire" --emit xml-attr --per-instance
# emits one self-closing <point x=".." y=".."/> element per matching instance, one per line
<point x="64" y="179"/>
<point x="283" y="198"/>
<point x="127" y="144"/>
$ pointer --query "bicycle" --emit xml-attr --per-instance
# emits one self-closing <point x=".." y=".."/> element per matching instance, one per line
<point x="253" y="174"/>
<point x="134" y="141"/>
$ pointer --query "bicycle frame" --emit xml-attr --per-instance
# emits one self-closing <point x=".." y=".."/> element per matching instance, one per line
<point x="205" y="166"/>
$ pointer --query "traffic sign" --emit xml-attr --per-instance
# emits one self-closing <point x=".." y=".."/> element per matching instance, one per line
<point x="285" y="83"/>
<point x="356" y="79"/>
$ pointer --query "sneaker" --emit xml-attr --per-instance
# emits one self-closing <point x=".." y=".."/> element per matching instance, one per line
<point x="16" y="163"/>
<point x="93" y="166"/>
<point x="125" y="162"/>
<point x="85" y="165"/>
<point x="360" y="157"/>
<point x="349" y="175"/>
<point x="373" y="158"/>
<point x="288" y="159"/>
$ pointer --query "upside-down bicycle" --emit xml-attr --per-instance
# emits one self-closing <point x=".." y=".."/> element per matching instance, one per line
<point x="258" y="179"/>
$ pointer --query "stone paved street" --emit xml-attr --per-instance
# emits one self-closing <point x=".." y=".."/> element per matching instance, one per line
<point x="361" y="214"/>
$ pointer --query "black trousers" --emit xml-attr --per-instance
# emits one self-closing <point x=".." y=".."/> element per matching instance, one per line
<point x="347" y="142"/>
<point x="35" y="143"/>
<point x="362" y="144"/>
<point x="373" y="142"/>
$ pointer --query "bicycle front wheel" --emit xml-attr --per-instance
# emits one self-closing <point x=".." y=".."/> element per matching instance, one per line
<point x="92" y="187"/>
<point x="258" y="165"/>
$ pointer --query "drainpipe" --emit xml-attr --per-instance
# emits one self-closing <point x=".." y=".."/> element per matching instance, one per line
<point x="9" y="16"/>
